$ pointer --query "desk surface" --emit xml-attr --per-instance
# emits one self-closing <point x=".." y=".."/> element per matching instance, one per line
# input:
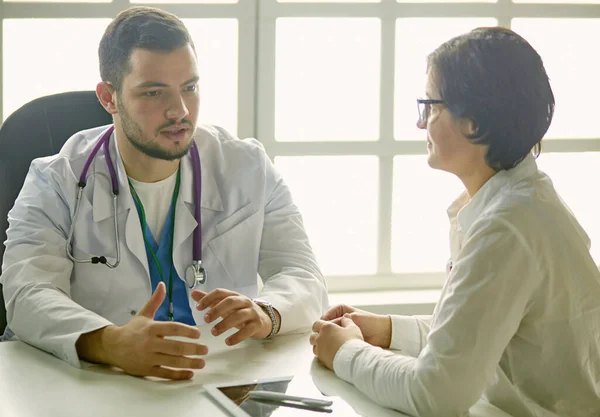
<point x="34" y="383"/>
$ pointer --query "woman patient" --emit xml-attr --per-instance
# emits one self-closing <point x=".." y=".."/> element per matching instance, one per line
<point x="518" y="321"/>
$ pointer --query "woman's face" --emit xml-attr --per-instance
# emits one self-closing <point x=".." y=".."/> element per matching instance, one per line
<point x="448" y="148"/>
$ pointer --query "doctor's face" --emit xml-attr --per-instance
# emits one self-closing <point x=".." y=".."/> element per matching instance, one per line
<point x="157" y="107"/>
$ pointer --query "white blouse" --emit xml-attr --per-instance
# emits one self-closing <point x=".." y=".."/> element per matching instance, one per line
<point x="518" y="321"/>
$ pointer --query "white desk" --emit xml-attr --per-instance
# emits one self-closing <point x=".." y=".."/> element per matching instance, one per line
<point x="33" y="383"/>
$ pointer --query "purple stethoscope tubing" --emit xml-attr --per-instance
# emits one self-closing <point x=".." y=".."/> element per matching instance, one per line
<point x="195" y="273"/>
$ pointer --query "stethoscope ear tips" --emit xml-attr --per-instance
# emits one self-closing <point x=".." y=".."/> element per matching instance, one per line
<point x="99" y="260"/>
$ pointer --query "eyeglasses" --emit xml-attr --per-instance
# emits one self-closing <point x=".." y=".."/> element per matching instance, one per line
<point x="424" y="107"/>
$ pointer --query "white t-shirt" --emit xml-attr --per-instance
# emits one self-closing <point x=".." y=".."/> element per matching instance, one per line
<point x="156" y="198"/>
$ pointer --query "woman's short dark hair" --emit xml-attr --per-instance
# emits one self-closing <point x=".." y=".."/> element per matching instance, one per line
<point x="494" y="77"/>
<point x="138" y="27"/>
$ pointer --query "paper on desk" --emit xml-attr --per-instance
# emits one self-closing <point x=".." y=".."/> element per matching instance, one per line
<point x="206" y="337"/>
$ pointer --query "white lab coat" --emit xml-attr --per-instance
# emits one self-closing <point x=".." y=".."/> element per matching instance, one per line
<point x="250" y="225"/>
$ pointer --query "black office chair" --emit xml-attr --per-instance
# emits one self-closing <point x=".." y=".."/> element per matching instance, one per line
<point x="39" y="128"/>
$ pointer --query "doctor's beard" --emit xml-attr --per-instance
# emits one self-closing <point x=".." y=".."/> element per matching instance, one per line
<point x="135" y="136"/>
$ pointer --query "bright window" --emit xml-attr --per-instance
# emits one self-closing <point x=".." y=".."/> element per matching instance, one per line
<point x="327" y="72"/>
<point x="566" y="46"/>
<point x="419" y="220"/>
<point x="338" y="199"/>
<point x="329" y="88"/>
<point x="35" y="66"/>
<point x="559" y="1"/>
<point x="329" y="1"/>
<point x="186" y="1"/>
<point x="216" y="40"/>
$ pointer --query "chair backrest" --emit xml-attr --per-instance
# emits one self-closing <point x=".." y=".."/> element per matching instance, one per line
<point x="39" y="128"/>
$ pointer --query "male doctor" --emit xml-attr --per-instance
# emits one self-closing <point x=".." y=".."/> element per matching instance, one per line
<point x="123" y="315"/>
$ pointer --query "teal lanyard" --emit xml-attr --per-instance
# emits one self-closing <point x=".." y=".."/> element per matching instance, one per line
<point x="149" y="247"/>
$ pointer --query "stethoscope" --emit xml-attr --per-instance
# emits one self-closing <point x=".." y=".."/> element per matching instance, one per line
<point x="195" y="273"/>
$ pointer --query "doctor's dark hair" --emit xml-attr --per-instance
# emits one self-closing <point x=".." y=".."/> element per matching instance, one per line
<point x="494" y="78"/>
<point x="138" y="27"/>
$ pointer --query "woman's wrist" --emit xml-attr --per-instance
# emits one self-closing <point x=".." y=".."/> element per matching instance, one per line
<point x="386" y="331"/>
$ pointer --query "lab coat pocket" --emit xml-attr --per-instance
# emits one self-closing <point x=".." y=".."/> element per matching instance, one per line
<point x="236" y="218"/>
<point x="237" y="248"/>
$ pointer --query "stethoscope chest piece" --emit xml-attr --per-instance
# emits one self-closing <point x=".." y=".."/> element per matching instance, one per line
<point x="195" y="274"/>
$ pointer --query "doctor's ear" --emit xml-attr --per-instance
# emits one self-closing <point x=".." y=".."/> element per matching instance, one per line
<point x="106" y="94"/>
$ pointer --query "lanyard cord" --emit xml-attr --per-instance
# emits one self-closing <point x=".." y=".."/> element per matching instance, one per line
<point x="149" y="247"/>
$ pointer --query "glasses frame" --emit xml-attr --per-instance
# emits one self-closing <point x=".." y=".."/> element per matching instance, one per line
<point x="423" y="108"/>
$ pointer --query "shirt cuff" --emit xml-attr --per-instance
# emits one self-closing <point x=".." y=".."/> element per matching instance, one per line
<point x="69" y="352"/>
<point x="406" y="335"/>
<point x="286" y="313"/>
<point x="297" y="314"/>
<point x="343" y="359"/>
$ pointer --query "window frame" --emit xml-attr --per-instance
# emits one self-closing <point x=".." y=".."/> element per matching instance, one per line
<point x="256" y="88"/>
<point x="387" y="147"/>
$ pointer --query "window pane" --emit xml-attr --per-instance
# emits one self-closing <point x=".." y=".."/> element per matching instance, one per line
<point x="216" y="42"/>
<point x="420" y="224"/>
<point x="569" y="172"/>
<point x="338" y="199"/>
<point x="56" y="62"/>
<point x="569" y="50"/>
<point x="411" y="65"/>
<point x="327" y="74"/>
<point x="57" y="1"/>
<point x="446" y="1"/>
<point x="184" y="1"/>
<point x="559" y="1"/>
<point x="328" y="1"/>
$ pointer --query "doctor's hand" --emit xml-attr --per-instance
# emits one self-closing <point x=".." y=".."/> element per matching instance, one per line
<point x="328" y="338"/>
<point x="139" y="348"/>
<point x="237" y="311"/>
<point x="376" y="329"/>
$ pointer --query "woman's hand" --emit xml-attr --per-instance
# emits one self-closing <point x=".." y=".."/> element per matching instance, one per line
<point x="328" y="338"/>
<point x="376" y="329"/>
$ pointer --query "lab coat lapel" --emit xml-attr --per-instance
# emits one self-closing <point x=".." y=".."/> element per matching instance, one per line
<point x="103" y="203"/>
<point x="185" y="222"/>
